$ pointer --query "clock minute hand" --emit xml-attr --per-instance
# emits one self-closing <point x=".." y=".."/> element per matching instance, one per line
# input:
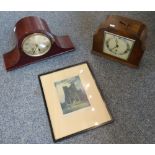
<point x="115" y="46"/>
<point x="116" y="42"/>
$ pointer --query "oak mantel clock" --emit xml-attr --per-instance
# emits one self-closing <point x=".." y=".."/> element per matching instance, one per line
<point x="121" y="39"/>
<point x="35" y="41"/>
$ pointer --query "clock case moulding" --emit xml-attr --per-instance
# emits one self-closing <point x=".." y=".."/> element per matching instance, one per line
<point x="29" y="25"/>
<point x="125" y="27"/>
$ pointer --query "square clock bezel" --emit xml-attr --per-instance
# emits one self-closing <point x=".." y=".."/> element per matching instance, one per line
<point x="120" y="36"/>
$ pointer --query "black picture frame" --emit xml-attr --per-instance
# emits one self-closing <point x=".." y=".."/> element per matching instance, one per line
<point x="44" y="100"/>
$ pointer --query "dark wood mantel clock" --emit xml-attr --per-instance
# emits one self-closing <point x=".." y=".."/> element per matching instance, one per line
<point x="35" y="41"/>
<point x="121" y="39"/>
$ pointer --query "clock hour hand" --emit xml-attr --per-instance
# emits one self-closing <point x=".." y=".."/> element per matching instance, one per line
<point x="115" y="47"/>
<point x="116" y="44"/>
<point x="34" y="51"/>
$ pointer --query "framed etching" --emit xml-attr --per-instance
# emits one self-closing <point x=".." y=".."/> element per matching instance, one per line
<point x="73" y="101"/>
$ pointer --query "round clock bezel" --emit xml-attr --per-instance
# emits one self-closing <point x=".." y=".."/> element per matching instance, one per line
<point x="33" y="34"/>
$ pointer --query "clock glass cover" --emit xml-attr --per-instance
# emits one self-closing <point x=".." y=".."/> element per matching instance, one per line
<point x="117" y="45"/>
<point x="36" y="44"/>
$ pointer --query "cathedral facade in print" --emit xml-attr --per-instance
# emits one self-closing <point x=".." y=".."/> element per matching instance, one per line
<point x="71" y="94"/>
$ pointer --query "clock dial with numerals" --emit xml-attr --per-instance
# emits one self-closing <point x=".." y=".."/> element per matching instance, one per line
<point x="36" y="44"/>
<point x="117" y="45"/>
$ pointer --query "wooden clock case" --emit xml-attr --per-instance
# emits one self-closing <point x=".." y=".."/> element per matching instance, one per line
<point x="29" y="25"/>
<point x="126" y="27"/>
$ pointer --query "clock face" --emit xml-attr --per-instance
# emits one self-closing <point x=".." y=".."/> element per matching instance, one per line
<point x="36" y="44"/>
<point x="117" y="45"/>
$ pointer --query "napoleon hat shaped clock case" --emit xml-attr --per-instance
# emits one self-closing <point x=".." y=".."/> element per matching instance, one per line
<point x="35" y="41"/>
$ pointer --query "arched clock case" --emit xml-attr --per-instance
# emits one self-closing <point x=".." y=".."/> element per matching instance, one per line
<point x="35" y="42"/>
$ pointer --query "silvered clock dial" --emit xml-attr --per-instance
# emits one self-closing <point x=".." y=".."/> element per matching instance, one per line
<point x="36" y="44"/>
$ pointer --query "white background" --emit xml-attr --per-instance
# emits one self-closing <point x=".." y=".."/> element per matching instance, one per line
<point x="77" y="5"/>
<point x="75" y="149"/>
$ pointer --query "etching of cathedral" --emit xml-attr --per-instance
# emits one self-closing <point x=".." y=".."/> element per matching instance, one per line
<point x="71" y="94"/>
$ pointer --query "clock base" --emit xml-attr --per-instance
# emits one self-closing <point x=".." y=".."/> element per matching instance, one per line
<point x="132" y="65"/>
